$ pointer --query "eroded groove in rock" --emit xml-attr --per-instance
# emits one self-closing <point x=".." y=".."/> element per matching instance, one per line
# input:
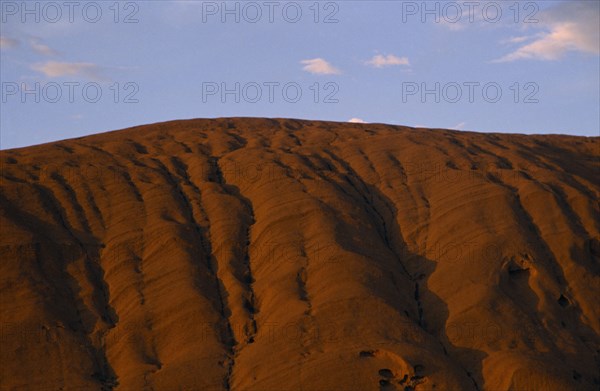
<point x="104" y="372"/>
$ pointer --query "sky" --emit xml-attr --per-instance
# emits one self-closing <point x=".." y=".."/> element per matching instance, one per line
<point x="69" y="69"/>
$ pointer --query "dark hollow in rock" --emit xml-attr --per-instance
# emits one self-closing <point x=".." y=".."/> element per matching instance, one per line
<point x="563" y="301"/>
<point x="367" y="353"/>
<point x="386" y="373"/>
<point x="419" y="369"/>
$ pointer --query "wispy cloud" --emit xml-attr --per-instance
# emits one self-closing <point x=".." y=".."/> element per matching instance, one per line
<point x="380" y="61"/>
<point x="40" y="48"/>
<point x="521" y="39"/>
<point x="459" y="126"/>
<point x="573" y="26"/>
<point x="357" y="121"/>
<point x="8" y="43"/>
<point x="318" y="66"/>
<point x="59" y="69"/>
<point x="463" y="18"/>
<point x="455" y="25"/>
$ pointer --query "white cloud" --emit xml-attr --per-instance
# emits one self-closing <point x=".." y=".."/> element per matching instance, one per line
<point x="319" y="66"/>
<point x="459" y="126"/>
<point x="42" y="49"/>
<point x="8" y="43"/>
<point x="454" y="26"/>
<point x="513" y="40"/>
<point x="458" y="16"/>
<point x="357" y="121"/>
<point x="573" y="26"/>
<point x="58" y="69"/>
<point x="380" y="61"/>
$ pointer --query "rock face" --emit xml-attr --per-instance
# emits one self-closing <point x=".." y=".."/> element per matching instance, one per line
<point x="274" y="254"/>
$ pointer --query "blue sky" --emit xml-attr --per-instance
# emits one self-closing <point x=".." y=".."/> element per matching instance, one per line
<point x="518" y="67"/>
